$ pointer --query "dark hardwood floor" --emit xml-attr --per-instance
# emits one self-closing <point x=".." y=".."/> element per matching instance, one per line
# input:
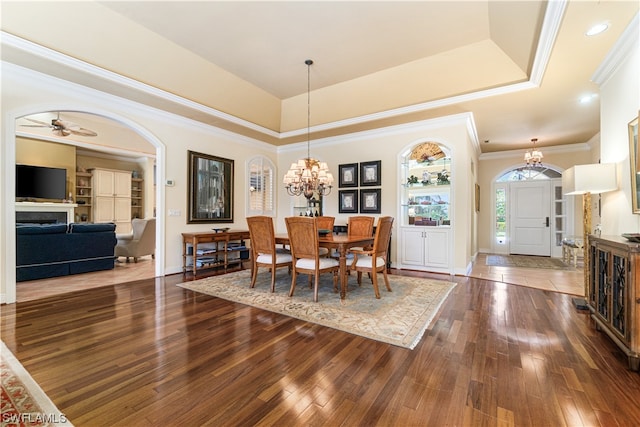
<point x="149" y="353"/>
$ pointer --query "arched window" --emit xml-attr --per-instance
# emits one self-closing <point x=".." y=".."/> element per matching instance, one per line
<point x="261" y="191"/>
<point x="528" y="173"/>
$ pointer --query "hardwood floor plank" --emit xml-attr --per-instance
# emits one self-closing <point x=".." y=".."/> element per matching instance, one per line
<point x="149" y="353"/>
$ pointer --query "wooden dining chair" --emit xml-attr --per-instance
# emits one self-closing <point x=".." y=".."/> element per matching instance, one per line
<point x="325" y="223"/>
<point x="359" y="225"/>
<point x="303" y="240"/>
<point x="374" y="260"/>
<point x="263" y="249"/>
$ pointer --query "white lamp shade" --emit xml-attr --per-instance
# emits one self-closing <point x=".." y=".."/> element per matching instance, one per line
<point x="595" y="178"/>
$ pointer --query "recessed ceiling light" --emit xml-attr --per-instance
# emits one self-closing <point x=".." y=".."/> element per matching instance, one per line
<point x="587" y="98"/>
<point x="597" y="29"/>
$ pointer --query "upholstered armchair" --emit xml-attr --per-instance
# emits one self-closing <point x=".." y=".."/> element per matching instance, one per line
<point x="141" y="242"/>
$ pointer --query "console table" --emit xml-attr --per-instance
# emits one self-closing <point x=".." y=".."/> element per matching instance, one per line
<point x="216" y="253"/>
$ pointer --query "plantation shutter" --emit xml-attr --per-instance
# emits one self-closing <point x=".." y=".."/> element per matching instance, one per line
<point x="261" y="195"/>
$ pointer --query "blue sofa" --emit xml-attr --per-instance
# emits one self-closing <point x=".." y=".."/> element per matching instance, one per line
<point x="50" y="250"/>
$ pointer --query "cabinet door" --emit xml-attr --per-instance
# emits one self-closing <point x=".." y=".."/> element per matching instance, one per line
<point x="619" y="294"/>
<point x="412" y="246"/>
<point x="122" y="209"/>
<point x="103" y="209"/>
<point x="103" y="183"/>
<point x="437" y="248"/>
<point x="602" y="283"/>
<point x="122" y="184"/>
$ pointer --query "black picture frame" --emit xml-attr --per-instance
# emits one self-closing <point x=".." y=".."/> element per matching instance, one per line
<point x="370" y="202"/>
<point x="348" y="175"/>
<point x="370" y="173"/>
<point x="348" y="201"/>
<point x="210" y="196"/>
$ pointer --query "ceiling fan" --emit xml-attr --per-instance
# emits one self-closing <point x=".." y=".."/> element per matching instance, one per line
<point x="61" y="127"/>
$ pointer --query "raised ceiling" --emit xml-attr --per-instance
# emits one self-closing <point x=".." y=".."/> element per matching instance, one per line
<point x="520" y="67"/>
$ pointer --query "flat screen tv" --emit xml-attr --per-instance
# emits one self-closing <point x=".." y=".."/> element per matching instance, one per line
<point x="38" y="182"/>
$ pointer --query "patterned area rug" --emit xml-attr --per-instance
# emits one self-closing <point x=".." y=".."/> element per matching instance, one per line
<point x="23" y="401"/>
<point x="399" y="317"/>
<point x="526" y="261"/>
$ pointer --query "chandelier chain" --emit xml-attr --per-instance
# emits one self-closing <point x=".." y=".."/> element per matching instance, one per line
<point x="308" y="176"/>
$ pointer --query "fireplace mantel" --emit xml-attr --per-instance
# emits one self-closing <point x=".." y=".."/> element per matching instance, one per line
<point x="67" y="208"/>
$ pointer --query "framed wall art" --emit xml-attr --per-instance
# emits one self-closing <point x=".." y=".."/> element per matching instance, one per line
<point x="370" y="201"/>
<point x="348" y="175"/>
<point x="634" y="161"/>
<point x="210" y="195"/>
<point x="370" y="173"/>
<point x="348" y="201"/>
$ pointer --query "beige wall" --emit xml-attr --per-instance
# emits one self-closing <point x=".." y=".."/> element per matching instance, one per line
<point x="620" y="101"/>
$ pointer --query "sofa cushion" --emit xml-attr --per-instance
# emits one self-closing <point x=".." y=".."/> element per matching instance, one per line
<point x="41" y="229"/>
<point x="91" y="228"/>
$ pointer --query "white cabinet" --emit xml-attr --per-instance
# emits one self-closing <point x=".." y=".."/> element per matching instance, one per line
<point x="426" y="248"/>
<point x="111" y="183"/>
<point x="426" y="208"/>
<point x="112" y="198"/>
<point x="426" y="192"/>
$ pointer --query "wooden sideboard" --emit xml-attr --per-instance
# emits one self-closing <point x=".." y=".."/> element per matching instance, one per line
<point x="614" y="292"/>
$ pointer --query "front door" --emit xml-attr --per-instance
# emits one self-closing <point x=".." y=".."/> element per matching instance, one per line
<point x="530" y="211"/>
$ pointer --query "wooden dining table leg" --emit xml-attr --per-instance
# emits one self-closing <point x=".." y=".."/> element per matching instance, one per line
<point x="342" y="250"/>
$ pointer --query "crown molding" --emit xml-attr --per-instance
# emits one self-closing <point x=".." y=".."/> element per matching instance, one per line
<point x="465" y="119"/>
<point x="26" y="46"/>
<point x="622" y="49"/>
<point x="548" y="33"/>
<point x="111" y="103"/>
<point x="558" y="149"/>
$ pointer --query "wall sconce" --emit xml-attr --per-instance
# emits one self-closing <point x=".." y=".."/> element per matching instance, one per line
<point x="586" y="180"/>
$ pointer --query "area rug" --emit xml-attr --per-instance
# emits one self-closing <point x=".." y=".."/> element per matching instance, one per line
<point x="23" y="401"/>
<point x="399" y="317"/>
<point x="526" y="261"/>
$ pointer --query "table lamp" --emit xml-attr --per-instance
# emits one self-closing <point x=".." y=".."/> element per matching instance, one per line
<point x="587" y="180"/>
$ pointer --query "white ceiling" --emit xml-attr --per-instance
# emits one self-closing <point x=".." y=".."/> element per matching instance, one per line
<point x="376" y="63"/>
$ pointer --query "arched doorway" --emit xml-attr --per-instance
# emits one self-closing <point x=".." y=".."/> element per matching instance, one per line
<point x="9" y="218"/>
<point x="531" y="216"/>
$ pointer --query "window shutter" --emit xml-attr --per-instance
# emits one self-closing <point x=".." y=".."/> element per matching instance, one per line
<point x="261" y="195"/>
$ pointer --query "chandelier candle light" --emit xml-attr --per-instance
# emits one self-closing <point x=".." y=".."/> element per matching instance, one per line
<point x="533" y="157"/>
<point x="308" y="176"/>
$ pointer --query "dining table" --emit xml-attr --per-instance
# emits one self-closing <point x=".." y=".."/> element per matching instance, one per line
<point x="341" y="243"/>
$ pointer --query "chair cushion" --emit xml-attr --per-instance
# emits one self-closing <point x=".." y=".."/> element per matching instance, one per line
<point x="280" y="258"/>
<point x="364" y="261"/>
<point x="310" y="264"/>
<point x="323" y="251"/>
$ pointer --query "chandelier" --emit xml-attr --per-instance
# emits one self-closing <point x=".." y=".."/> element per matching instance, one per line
<point x="533" y="157"/>
<point x="308" y="176"/>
